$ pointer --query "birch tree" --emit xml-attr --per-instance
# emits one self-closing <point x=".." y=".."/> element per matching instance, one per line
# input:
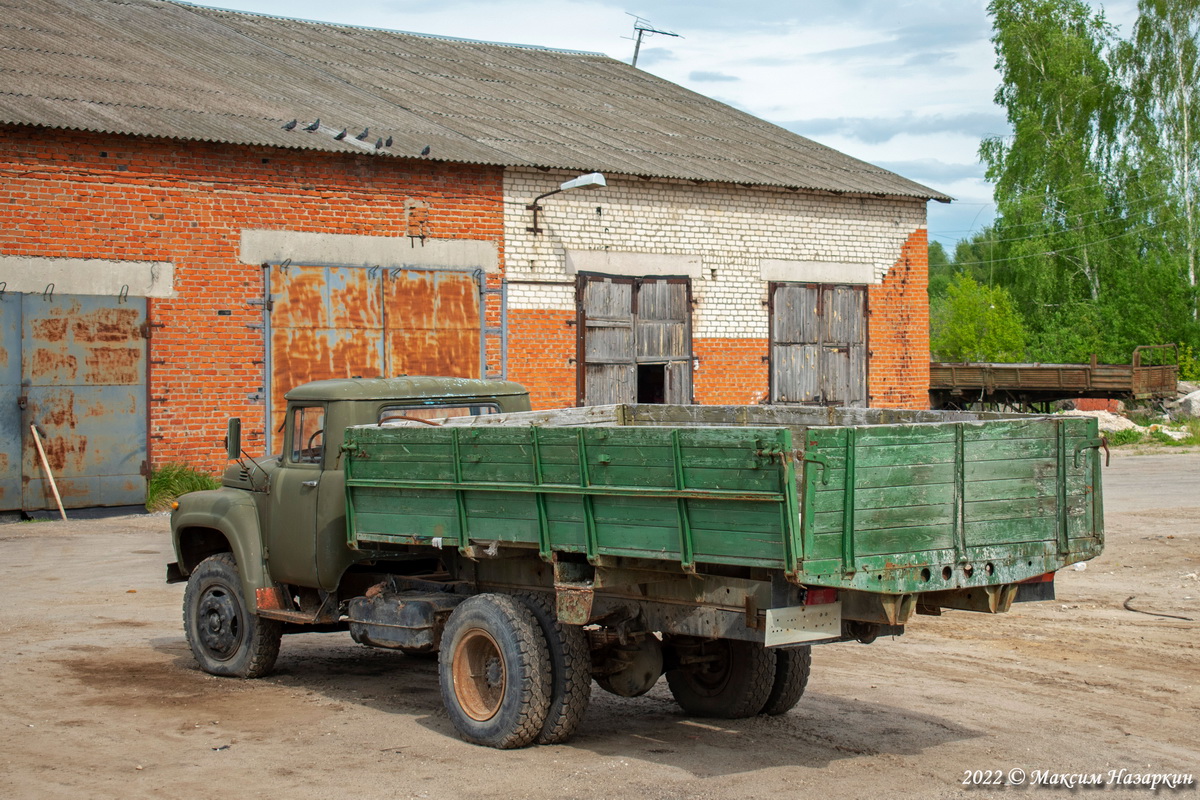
<point x="1162" y="67"/>
<point x="1053" y="197"/>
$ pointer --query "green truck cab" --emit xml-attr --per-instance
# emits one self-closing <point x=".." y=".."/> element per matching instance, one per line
<point x="536" y="552"/>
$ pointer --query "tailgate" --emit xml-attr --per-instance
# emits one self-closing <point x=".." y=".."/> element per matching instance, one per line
<point x="912" y="508"/>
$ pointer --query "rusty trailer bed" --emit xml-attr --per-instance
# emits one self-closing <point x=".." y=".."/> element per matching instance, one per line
<point x="955" y="384"/>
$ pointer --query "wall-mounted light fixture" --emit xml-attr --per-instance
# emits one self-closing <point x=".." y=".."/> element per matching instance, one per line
<point x="593" y="180"/>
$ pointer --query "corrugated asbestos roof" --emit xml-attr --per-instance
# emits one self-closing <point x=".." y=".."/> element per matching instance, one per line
<point x="159" y="68"/>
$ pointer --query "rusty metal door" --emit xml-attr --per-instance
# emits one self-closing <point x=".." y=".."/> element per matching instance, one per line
<point x="346" y="322"/>
<point x="325" y="322"/>
<point x="82" y="368"/>
<point x="432" y="323"/>
<point x="818" y="344"/>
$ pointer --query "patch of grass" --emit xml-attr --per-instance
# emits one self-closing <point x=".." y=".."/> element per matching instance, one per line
<point x="1145" y="417"/>
<point x="1161" y="438"/>
<point x="1128" y="436"/>
<point x="1191" y="428"/>
<point x="172" y="480"/>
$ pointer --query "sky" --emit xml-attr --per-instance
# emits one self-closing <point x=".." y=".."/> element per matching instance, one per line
<point x="907" y="86"/>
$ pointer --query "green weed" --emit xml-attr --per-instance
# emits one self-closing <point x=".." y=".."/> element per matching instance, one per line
<point x="1128" y="436"/>
<point x="172" y="480"/>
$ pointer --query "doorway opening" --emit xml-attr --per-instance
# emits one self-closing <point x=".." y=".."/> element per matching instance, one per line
<point x="652" y="383"/>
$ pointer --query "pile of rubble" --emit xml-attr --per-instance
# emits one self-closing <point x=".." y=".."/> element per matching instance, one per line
<point x="1186" y="406"/>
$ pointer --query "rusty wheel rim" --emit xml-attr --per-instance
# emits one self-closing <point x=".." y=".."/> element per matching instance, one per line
<point x="711" y="676"/>
<point x="480" y="677"/>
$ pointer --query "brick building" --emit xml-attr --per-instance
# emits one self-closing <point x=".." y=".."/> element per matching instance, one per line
<point x="202" y="208"/>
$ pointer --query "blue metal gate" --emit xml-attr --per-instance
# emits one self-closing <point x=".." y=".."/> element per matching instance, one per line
<point x="74" y="366"/>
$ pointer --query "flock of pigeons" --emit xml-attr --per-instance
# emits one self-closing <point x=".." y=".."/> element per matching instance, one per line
<point x="362" y="137"/>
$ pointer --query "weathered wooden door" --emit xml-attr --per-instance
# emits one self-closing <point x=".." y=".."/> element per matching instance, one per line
<point x="608" y="368"/>
<point x="635" y="340"/>
<point x="819" y="344"/>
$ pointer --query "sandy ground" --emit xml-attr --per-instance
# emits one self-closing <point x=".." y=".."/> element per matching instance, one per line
<point x="99" y="696"/>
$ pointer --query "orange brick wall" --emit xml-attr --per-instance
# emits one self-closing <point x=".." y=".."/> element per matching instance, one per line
<point x="541" y="347"/>
<point x="898" y="326"/>
<point x="731" y="371"/>
<point x="88" y="195"/>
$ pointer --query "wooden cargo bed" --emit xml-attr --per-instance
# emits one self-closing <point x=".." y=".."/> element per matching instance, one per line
<point x="876" y="500"/>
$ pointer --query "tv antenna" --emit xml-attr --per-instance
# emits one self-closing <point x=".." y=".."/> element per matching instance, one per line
<point x="640" y="28"/>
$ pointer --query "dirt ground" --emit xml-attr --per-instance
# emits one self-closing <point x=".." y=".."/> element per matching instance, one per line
<point x="99" y="696"/>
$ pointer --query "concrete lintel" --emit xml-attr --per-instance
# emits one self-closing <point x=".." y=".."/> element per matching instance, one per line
<point x="632" y="264"/>
<point x="259" y="246"/>
<point x="87" y="276"/>
<point x="773" y="269"/>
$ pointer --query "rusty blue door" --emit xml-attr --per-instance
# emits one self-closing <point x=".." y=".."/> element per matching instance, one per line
<point x="82" y="368"/>
<point x="10" y="393"/>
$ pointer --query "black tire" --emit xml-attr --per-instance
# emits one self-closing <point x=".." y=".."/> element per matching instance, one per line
<point x="570" y="670"/>
<point x="792" y="668"/>
<point x="494" y="670"/>
<point x="225" y="636"/>
<point x="722" y="678"/>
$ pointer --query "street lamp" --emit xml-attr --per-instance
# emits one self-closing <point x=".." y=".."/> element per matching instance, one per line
<point x="593" y="180"/>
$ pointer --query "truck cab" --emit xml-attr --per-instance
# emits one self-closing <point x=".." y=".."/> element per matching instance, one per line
<point x="283" y="517"/>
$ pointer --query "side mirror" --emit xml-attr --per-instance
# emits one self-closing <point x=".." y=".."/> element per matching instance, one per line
<point x="233" y="439"/>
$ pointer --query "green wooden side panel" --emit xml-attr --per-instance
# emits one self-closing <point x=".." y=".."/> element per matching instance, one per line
<point x="688" y="495"/>
<point x="883" y="508"/>
<point x="903" y="508"/>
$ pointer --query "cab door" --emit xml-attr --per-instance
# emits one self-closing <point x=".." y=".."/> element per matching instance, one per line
<point x="292" y="533"/>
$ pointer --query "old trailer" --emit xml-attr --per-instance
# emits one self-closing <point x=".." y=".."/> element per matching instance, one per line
<point x="1151" y="374"/>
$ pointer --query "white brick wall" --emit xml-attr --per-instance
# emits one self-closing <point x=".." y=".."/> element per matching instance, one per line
<point x="732" y="228"/>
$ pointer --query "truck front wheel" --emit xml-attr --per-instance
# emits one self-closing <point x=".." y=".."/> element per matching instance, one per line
<point x="722" y="678"/>
<point x="495" y="673"/>
<point x="226" y="638"/>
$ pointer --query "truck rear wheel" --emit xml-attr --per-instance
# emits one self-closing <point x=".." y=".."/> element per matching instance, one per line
<point x="570" y="670"/>
<point x="495" y="673"/>
<point x="225" y="636"/>
<point x="792" y="668"/>
<point x="722" y="678"/>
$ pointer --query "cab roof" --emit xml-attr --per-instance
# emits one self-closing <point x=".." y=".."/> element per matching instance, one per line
<point x="404" y="388"/>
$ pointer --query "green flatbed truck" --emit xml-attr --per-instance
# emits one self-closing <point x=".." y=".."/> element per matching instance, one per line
<point x="535" y="552"/>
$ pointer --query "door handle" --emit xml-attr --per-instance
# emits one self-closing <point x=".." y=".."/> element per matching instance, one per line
<point x="310" y="484"/>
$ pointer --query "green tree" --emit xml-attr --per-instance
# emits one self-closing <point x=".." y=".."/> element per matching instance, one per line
<point x="940" y="269"/>
<point x="976" y="322"/>
<point x="1162" y="67"/>
<point x="1097" y="190"/>
<point x="1054" y="210"/>
<point x="978" y="256"/>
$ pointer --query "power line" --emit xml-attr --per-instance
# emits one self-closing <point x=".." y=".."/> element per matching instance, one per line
<point x="1107" y="221"/>
<point x="1056" y="232"/>
<point x="1054" y="252"/>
